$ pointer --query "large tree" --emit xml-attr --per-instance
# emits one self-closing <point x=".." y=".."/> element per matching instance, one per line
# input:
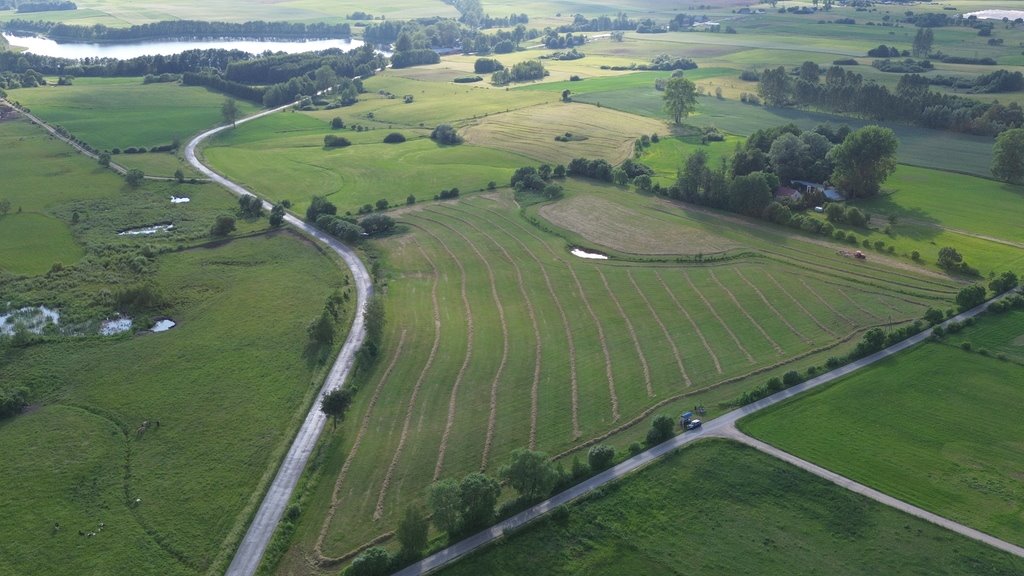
<point x="530" y="473"/>
<point x="680" y="98"/>
<point x="1008" y="156"/>
<point x="775" y="86"/>
<point x="335" y="403"/>
<point x="412" y="532"/>
<point x="864" y="160"/>
<point x="479" y="493"/>
<point x="229" y="111"/>
<point x="446" y="505"/>
<point x="788" y="155"/>
<point x="923" y="42"/>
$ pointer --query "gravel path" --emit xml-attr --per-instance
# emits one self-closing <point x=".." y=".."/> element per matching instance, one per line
<point x="254" y="543"/>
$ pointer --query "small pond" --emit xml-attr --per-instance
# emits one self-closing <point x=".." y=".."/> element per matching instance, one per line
<point x="163" y="325"/>
<point x="581" y="253"/>
<point x="147" y="230"/>
<point x="33" y="318"/>
<point x="182" y="200"/>
<point x="115" y="326"/>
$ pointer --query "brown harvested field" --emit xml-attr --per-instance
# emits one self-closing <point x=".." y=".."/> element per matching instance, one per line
<point x="630" y="230"/>
<point x="531" y="131"/>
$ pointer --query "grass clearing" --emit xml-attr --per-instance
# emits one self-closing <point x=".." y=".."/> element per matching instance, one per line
<point x="123" y="112"/>
<point x="935" y="426"/>
<point x="31" y="240"/>
<point x="744" y="512"/>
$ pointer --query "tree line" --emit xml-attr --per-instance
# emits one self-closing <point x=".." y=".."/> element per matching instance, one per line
<point x="180" y="29"/>
<point x="187" y="61"/>
<point x="846" y="92"/>
<point x="46" y="6"/>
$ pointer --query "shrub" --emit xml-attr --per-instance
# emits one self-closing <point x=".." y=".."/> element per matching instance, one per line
<point x="337" y="123"/>
<point x="467" y="79"/>
<point x="394" y="138"/>
<point x="791" y="378"/>
<point x="374" y="561"/>
<point x="662" y="428"/>
<point x="600" y="457"/>
<point x="446" y="134"/>
<point x="635" y="448"/>
<point x="970" y="297"/>
<point x="223" y="226"/>
<point x="332" y="141"/>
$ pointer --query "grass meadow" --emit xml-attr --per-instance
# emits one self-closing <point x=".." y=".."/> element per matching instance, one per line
<point x="228" y="385"/>
<point x="936" y="426"/>
<point x="719" y="508"/>
<point x="113" y="113"/>
<point x="506" y="340"/>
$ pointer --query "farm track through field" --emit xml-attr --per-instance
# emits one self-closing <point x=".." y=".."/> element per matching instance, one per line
<point x="354" y="450"/>
<point x="632" y="335"/>
<point x="574" y="384"/>
<point x="696" y="329"/>
<point x="826" y="304"/>
<point x="664" y="329"/>
<point x="714" y="313"/>
<point x="800" y="305"/>
<point x="771" y="307"/>
<point x="727" y="292"/>
<point x="863" y="310"/>
<point x="604" y="343"/>
<point x="404" y="436"/>
<point x="535" y="385"/>
<point x="536" y="350"/>
<point x="504" y="353"/>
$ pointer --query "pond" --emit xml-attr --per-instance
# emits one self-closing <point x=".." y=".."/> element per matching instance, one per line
<point x="125" y="50"/>
<point x="147" y="230"/>
<point x="182" y="200"/>
<point x="163" y="325"/>
<point x="115" y="326"/>
<point x="32" y="318"/>
<point x="581" y="253"/>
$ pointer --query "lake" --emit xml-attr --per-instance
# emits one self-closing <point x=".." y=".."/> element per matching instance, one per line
<point x="125" y="50"/>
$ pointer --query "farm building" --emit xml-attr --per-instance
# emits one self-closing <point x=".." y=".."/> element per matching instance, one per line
<point x="830" y="192"/>
<point x="787" y="194"/>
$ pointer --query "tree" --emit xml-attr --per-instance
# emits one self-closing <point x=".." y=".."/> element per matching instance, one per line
<point x="1008" y="156"/>
<point x="134" y="177"/>
<point x="933" y="316"/>
<point x="412" y="532"/>
<point x="923" y="42"/>
<point x="321" y="330"/>
<point x="864" y="160"/>
<point x="179" y="175"/>
<point x="788" y="155"/>
<point x="229" y="111"/>
<point x="445" y="134"/>
<point x="530" y="474"/>
<point x="446" y="505"/>
<point x="318" y="206"/>
<point x="775" y="87"/>
<point x="374" y="561"/>
<point x="662" y="428"/>
<point x="276" y="215"/>
<point x="337" y="123"/>
<point x="680" y="98"/>
<point x="600" y="457"/>
<point x="750" y="194"/>
<point x="223" y="226"/>
<point x="970" y="297"/>
<point x="335" y="403"/>
<point x="377" y="224"/>
<point x="810" y="72"/>
<point x="478" y="494"/>
<point x="949" y="258"/>
<point x="566" y="95"/>
<point x="104" y="159"/>
<point x="1005" y="281"/>
<point x="5" y="206"/>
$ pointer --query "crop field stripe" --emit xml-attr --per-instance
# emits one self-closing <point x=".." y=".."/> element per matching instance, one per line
<point x="707" y="304"/>
<point x="632" y="335"/>
<point x="725" y="289"/>
<point x="492" y="415"/>
<point x="664" y="330"/>
<point x="772" y="307"/>
<point x="419" y="383"/>
<point x="602" y="340"/>
<point x="799" y="305"/>
<point x="536" y="350"/>
<point x="696" y="329"/>
<point x="825" y="302"/>
<point x="535" y="386"/>
<point x="863" y="310"/>
<point x="887" y="297"/>
<point x="565" y="323"/>
<point x="354" y="450"/>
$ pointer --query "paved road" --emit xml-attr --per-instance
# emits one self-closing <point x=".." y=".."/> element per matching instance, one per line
<point x="254" y="544"/>
<point x="723" y="426"/>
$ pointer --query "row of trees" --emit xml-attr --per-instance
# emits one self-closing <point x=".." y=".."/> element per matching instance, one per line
<point x="187" y="61"/>
<point x="181" y="29"/>
<point x="845" y="91"/>
<point x="520" y="72"/>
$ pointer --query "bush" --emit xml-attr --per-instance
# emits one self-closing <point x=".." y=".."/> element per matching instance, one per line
<point x="374" y="561"/>
<point x="486" y="65"/>
<point x="394" y="138"/>
<point x="635" y="448"/>
<point x="134" y="177"/>
<point x="445" y="134"/>
<point x="332" y="141"/>
<point x="791" y="378"/>
<point x="377" y="224"/>
<point x="467" y="79"/>
<point x="662" y="428"/>
<point x="223" y="226"/>
<point x="970" y="297"/>
<point x="337" y="123"/>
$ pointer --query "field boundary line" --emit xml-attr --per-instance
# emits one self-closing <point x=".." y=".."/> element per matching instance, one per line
<point x="574" y="384"/>
<point x="714" y="313"/>
<point x="772" y="307"/>
<point x="819" y="298"/>
<point x="632" y="334"/>
<point x="775" y="345"/>
<point x="696" y="328"/>
<point x="534" y="387"/>
<point x="492" y="415"/>
<point x="332" y="509"/>
<point x="800" y="305"/>
<point x="416" y="387"/>
<point x="856" y="305"/>
<point x="664" y="329"/>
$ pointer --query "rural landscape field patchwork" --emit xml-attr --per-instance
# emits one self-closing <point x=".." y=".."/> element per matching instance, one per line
<point x="457" y="293"/>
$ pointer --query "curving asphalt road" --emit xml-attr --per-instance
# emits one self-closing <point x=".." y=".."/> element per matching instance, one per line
<point x="723" y="426"/>
<point x="254" y="544"/>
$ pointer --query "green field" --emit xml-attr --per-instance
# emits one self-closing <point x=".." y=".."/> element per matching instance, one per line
<point x="534" y="347"/>
<point x="719" y="508"/>
<point x="123" y="112"/>
<point x="228" y="386"/>
<point x="935" y="426"/>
